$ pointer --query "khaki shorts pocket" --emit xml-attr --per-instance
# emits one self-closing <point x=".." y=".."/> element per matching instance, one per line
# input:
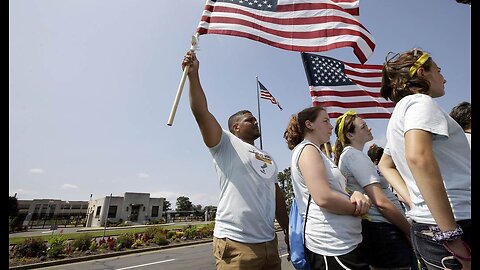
<point x="219" y="247"/>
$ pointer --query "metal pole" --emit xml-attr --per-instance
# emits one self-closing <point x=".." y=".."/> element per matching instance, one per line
<point x="106" y="215"/>
<point x="259" y="118"/>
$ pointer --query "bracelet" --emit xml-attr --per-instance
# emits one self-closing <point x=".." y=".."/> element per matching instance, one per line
<point x="439" y="236"/>
<point x="469" y="258"/>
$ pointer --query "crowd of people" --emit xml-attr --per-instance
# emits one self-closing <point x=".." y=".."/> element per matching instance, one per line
<point x="404" y="206"/>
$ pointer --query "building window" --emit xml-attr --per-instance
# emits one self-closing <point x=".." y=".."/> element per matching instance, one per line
<point x="76" y="206"/>
<point x="112" y="211"/>
<point x="97" y="214"/>
<point x="155" y="211"/>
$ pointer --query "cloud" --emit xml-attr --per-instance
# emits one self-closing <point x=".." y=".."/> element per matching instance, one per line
<point x="23" y="192"/>
<point x="36" y="170"/>
<point x="143" y="175"/>
<point x="69" y="186"/>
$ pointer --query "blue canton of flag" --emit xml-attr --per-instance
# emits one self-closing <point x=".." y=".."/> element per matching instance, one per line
<point x="268" y="5"/>
<point x="325" y="71"/>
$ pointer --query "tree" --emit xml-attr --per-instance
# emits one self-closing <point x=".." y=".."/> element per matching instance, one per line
<point x="184" y="204"/>
<point x="210" y="208"/>
<point x="285" y="183"/>
<point x="12" y="206"/>
<point x="198" y="207"/>
<point x="166" y="206"/>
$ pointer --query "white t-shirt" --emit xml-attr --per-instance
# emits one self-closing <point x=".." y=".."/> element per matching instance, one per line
<point x="247" y="176"/>
<point x="360" y="172"/>
<point x="469" y="138"/>
<point x="450" y="148"/>
<point x="327" y="233"/>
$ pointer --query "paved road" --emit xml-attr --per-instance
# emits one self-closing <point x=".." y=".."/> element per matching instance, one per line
<point x="197" y="257"/>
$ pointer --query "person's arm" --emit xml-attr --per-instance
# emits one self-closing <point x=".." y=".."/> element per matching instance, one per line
<point x="281" y="212"/>
<point x="209" y="126"/>
<point x="424" y="167"/>
<point x="315" y="175"/>
<point x="389" y="171"/>
<point x="281" y="209"/>
<point x="387" y="208"/>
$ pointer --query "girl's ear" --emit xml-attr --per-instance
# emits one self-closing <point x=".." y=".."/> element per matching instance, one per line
<point x="420" y="72"/>
<point x="308" y="124"/>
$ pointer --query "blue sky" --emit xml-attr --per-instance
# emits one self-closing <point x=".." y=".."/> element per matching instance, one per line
<point x="92" y="83"/>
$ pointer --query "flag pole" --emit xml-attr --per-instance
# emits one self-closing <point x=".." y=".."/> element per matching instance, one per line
<point x="182" y="82"/>
<point x="259" y="118"/>
<point x="326" y="150"/>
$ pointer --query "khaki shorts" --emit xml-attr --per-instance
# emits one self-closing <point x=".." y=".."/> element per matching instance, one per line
<point x="231" y="254"/>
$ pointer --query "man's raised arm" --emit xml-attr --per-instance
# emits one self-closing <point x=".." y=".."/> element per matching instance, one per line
<point x="209" y="126"/>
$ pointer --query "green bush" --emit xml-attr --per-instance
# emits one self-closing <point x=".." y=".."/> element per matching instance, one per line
<point x="170" y="234"/>
<point x="126" y="240"/>
<point x="93" y="245"/>
<point x="206" y="231"/>
<point x="56" y="246"/>
<point x="150" y="232"/>
<point x="30" y="247"/>
<point x="190" y="233"/>
<point x="82" y="242"/>
<point x="160" y="239"/>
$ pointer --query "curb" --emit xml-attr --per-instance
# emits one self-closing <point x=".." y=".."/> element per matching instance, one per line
<point x="105" y="255"/>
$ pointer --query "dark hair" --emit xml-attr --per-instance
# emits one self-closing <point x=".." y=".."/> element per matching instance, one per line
<point x="462" y="113"/>
<point x="375" y="153"/>
<point x="349" y="126"/>
<point x="233" y="119"/>
<point x="396" y="80"/>
<point x="296" y="128"/>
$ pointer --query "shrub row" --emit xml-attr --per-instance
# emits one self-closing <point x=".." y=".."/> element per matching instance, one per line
<point x="59" y="245"/>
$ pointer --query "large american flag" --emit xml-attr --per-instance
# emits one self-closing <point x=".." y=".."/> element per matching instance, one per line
<point x="341" y="86"/>
<point x="265" y="94"/>
<point x="294" y="25"/>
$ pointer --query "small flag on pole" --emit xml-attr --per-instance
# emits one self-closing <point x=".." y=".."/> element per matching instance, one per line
<point x="341" y="86"/>
<point x="265" y="94"/>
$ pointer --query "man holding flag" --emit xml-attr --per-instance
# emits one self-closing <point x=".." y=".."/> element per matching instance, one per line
<point x="250" y="198"/>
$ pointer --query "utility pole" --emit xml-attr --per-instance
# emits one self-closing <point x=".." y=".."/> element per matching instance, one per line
<point x="106" y="214"/>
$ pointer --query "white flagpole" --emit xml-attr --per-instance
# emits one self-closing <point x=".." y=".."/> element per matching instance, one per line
<point x="259" y="118"/>
<point x="182" y="82"/>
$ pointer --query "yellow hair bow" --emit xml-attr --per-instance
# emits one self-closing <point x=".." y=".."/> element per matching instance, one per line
<point x="420" y="61"/>
<point x="341" y="119"/>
